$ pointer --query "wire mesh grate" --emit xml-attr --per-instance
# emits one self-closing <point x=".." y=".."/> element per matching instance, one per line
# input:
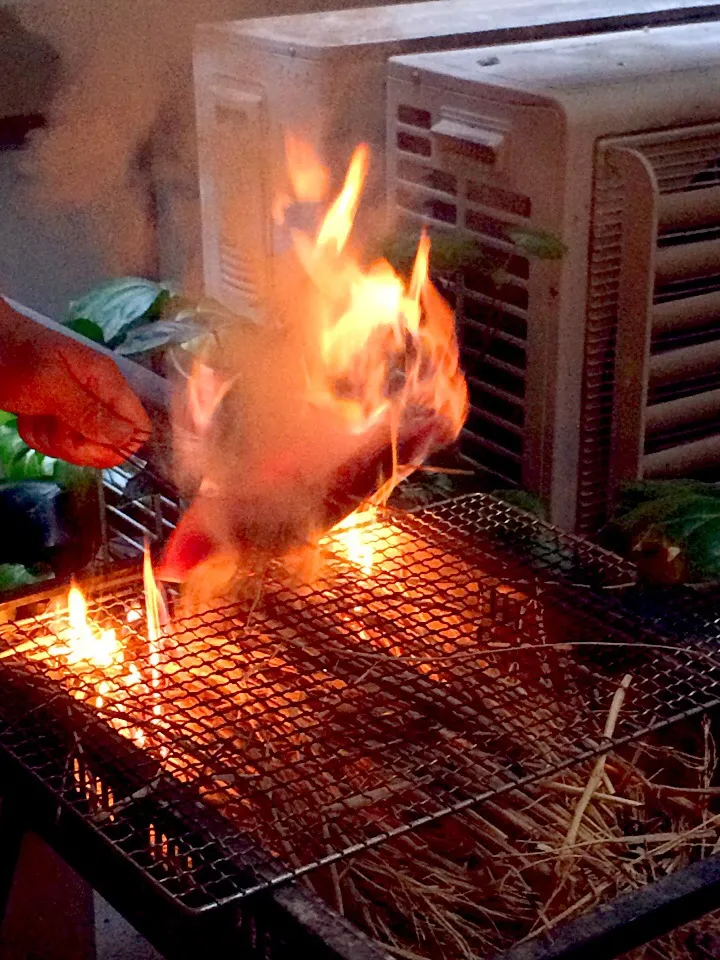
<point x="470" y="649"/>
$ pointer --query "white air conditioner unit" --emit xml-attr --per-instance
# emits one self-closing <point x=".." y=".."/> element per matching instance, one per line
<point x="612" y="145"/>
<point x="322" y="76"/>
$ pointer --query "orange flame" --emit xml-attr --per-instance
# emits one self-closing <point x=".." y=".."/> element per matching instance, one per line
<point x="156" y="618"/>
<point x="206" y="391"/>
<point x="309" y="178"/>
<point x="384" y="345"/>
<point x="84" y="640"/>
<point x="376" y="368"/>
<point x="339" y="219"/>
<point x="155" y="609"/>
<point x="353" y="538"/>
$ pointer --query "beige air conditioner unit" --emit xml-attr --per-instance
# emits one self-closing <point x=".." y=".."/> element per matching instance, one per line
<point x="322" y="76"/>
<point x="611" y="144"/>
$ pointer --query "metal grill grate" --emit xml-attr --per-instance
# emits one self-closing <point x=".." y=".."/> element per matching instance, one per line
<point x="303" y="724"/>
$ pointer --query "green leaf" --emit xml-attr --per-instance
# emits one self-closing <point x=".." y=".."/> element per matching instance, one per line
<point x="449" y="252"/>
<point x="671" y="528"/>
<point x="544" y="246"/>
<point x="77" y="480"/>
<point x="87" y="328"/>
<point x="19" y="462"/>
<point x="694" y="526"/>
<point x="14" y="575"/>
<point x="116" y="305"/>
<point x="161" y="333"/>
<point x="523" y="501"/>
<point x="12" y="448"/>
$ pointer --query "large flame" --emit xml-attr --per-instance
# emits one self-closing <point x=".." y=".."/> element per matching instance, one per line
<point x="362" y="385"/>
<point x="384" y="344"/>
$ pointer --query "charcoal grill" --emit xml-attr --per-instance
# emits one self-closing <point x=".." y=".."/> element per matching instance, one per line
<point x="303" y="724"/>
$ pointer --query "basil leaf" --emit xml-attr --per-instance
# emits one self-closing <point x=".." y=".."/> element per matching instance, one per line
<point x="87" y="328"/>
<point x="544" y="246"/>
<point x="116" y="305"/>
<point x="15" y="575"/>
<point x="161" y="333"/>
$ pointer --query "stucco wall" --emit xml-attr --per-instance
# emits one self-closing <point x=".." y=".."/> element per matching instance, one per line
<point x="117" y="90"/>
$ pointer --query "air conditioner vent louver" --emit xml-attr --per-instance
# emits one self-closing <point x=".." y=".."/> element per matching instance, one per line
<point x="596" y="417"/>
<point x="492" y="297"/>
<point x="586" y="174"/>
<point x="667" y="407"/>
<point x="417" y="173"/>
<point x="238" y="262"/>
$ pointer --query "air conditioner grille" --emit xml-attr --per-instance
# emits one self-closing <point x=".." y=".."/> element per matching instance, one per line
<point x="680" y="425"/>
<point x="491" y="297"/>
<point x="414" y="116"/>
<point x="411" y="143"/>
<point x="598" y="381"/>
<point x="418" y="173"/>
<point x="240" y="201"/>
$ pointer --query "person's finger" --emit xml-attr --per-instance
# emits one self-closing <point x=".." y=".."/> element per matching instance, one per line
<point x="55" y="439"/>
<point x="98" y="402"/>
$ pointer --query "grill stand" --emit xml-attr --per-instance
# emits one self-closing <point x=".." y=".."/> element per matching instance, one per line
<point x="289" y="922"/>
<point x="12" y="830"/>
<point x="633" y="919"/>
<point x="251" y="930"/>
<point x="284" y="925"/>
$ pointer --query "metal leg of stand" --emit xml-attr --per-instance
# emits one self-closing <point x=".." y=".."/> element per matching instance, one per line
<point x="12" y="830"/>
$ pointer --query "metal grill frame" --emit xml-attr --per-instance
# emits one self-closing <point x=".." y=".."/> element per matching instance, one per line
<point x="587" y="580"/>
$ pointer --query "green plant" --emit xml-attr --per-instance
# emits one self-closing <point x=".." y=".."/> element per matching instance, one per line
<point x="134" y="316"/>
<point x="671" y="528"/>
<point x="522" y="500"/>
<point x="454" y="252"/>
<point x="19" y="463"/>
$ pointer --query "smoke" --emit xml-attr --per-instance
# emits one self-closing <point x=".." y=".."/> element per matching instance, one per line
<point x="120" y="140"/>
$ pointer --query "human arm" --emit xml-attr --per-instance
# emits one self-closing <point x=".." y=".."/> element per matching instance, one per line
<point x="71" y="401"/>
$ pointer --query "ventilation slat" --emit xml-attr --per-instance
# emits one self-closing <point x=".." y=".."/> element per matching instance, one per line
<point x="689" y="208"/>
<point x="490" y="417"/>
<point x="686" y="410"/>
<point x="687" y="260"/>
<point x="506" y="455"/>
<point x="682" y="314"/>
<point x="502" y="395"/>
<point x="683" y="459"/>
<point x="675" y="364"/>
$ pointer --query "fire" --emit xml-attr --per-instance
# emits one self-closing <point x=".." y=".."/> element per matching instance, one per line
<point x="353" y="538"/>
<point x="84" y="640"/>
<point x="385" y="344"/>
<point x="205" y="394"/>
<point x="156" y="618"/>
<point x="155" y="610"/>
<point x="309" y="177"/>
<point x="349" y="392"/>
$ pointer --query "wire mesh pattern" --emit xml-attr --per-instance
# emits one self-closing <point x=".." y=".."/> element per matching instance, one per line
<point x="478" y="651"/>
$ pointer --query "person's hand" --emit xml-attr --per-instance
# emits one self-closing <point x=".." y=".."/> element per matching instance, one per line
<point x="71" y="401"/>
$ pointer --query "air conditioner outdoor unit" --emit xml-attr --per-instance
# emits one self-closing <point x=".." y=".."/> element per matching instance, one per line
<point x="322" y="76"/>
<point x="611" y="144"/>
